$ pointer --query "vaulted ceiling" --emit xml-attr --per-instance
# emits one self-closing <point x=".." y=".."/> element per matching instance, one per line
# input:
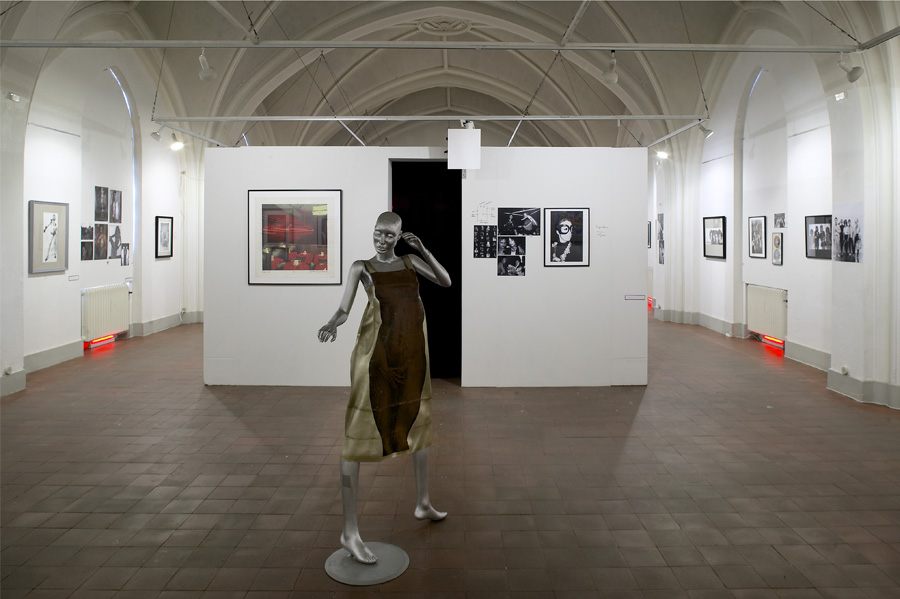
<point x="263" y="80"/>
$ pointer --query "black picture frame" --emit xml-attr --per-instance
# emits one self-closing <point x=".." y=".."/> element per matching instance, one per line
<point x="165" y="229"/>
<point x="294" y="236"/>
<point x="778" y="249"/>
<point x="575" y="250"/>
<point x="756" y="236"/>
<point x="817" y="236"/>
<point x="714" y="237"/>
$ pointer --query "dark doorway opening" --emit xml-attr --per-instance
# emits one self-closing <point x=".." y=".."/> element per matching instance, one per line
<point x="428" y="197"/>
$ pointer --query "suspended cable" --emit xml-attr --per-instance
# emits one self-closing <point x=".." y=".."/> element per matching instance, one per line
<point x="161" y="63"/>
<point x="832" y="22"/>
<point x="252" y="26"/>
<point x="600" y="98"/>
<point x="533" y="96"/>
<point x="694" y="57"/>
<point x="12" y="6"/>
<point x="337" y="85"/>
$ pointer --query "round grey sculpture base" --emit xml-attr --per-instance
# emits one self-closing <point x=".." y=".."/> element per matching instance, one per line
<point x="392" y="562"/>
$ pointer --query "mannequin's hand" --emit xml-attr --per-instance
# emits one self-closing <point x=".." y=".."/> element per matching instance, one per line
<point x="413" y="242"/>
<point x="328" y="333"/>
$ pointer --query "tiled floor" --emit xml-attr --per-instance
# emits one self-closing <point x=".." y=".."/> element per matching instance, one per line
<point x="733" y="474"/>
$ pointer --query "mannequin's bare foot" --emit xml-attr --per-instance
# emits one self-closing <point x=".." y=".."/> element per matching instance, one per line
<point x="358" y="549"/>
<point x="429" y="513"/>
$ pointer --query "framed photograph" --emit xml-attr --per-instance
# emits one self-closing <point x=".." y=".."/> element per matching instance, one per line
<point x="294" y="237"/>
<point x="519" y="221"/>
<point x="714" y="237"/>
<point x="485" y="242"/>
<point x="847" y="232"/>
<point x="661" y="237"/>
<point x="567" y="237"/>
<point x="101" y="203"/>
<point x="165" y="227"/>
<point x="757" y="237"/>
<point x="48" y="237"/>
<point x="818" y="237"/>
<point x="777" y="249"/>
<point x="649" y="234"/>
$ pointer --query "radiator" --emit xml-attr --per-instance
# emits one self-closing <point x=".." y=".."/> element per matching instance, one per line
<point x="767" y="310"/>
<point x="104" y="311"/>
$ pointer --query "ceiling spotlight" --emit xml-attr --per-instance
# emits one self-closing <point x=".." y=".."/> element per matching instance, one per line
<point x="176" y="145"/>
<point x="156" y="134"/>
<point x="707" y="133"/>
<point x="610" y="77"/>
<point x="853" y="73"/>
<point x="207" y="73"/>
<point x="662" y="155"/>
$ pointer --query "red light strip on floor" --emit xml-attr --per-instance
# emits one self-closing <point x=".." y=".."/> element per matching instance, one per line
<point x="773" y="341"/>
<point x="100" y="341"/>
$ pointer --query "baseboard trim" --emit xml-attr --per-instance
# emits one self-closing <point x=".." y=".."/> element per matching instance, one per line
<point x="54" y="356"/>
<point x="807" y="355"/>
<point x="12" y="383"/>
<point x="874" y="392"/>
<point x="680" y="317"/>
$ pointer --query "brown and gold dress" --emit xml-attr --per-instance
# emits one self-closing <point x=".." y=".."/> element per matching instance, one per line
<point x="390" y="386"/>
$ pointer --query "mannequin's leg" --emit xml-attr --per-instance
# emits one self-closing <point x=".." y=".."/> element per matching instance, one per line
<point x="424" y="509"/>
<point x="350" y="539"/>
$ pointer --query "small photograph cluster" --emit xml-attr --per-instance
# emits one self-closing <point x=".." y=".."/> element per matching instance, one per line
<point x="102" y="239"/>
<point x="485" y="241"/>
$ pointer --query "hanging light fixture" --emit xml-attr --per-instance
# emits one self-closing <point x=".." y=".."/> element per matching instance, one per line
<point x="156" y="134"/>
<point x="853" y="73"/>
<point x="707" y="133"/>
<point x="207" y="73"/>
<point x="610" y="77"/>
<point x="176" y="144"/>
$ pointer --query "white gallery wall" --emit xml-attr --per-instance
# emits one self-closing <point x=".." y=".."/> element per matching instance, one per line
<point x="553" y="327"/>
<point x="81" y="134"/>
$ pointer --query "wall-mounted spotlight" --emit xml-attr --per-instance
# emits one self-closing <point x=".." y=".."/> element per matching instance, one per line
<point x="662" y="155"/>
<point x="176" y="144"/>
<point x="610" y="77"/>
<point x="207" y="73"/>
<point x="707" y="133"/>
<point x="853" y="73"/>
<point x="156" y="135"/>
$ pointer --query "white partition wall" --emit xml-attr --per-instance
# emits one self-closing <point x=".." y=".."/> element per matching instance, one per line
<point x="553" y="327"/>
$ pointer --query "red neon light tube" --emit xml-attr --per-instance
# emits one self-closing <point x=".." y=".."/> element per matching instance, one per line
<point x="778" y="342"/>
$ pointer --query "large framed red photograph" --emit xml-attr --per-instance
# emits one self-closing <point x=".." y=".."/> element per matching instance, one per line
<point x="294" y="237"/>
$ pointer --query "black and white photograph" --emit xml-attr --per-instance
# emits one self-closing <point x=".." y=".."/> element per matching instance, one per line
<point x="846" y="245"/>
<point x="115" y="206"/>
<point x="101" y="241"/>
<point x="485" y="241"/>
<point x="511" y="266"/>
<point x="511" y="246"/>
<point x="661" y="237"/>
<point x="757" y="236"/>
<point x="778" y="249"/>
<point x="519" y="221"/>
<point x="48" y="225"/>
<point x="649" y="234"/>
<point x="125" y="252"/>
<point x="87" y="250"/>
<point x="87" y="232"/>
<point x="101" y="203"/>
<point x="779" y="220"/>
<point x="164" y="226"/>
<point x="818" y="237"/>
<point x="714" y="237"/>
<point x="566" y="237"/>
<point x="115" y="241"/>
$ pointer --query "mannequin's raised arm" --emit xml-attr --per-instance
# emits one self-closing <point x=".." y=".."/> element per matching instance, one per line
<point x="329" y="331"/>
